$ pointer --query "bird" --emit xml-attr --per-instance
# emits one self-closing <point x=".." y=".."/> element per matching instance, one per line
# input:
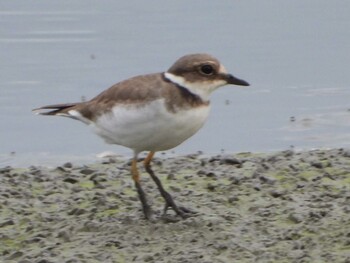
<point x="153" y="112"/>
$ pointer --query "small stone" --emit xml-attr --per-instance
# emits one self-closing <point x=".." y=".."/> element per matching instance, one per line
<point x="6" y="169"/>
<point x="235" y="180"/>
<point x="257" y="187"/>
<point x="68" y="165"/>
<point x="87" y="171"/>
<point x="288" y="153"/>
<point x="90" y="227"/>
<point x="297" y="244"/>
<point x="210" y="174"/>
<point x="97" y="178"/>
<point x="113" y="243"/>
<point x="231" y="161"/>
<point x="64" y="235"/>
<point x="100" y="200"/>
<point x="61" y="169"/>
<point x="171" y="176"/>
<point x="170" y="219"/>
<point x="77" y="211"/>
<point x="70" y="180"/>
<point x="175" y="188"/>
<point x="147" y="258"/>
<point x="221" y="246"/>
<point x="346" y="153"/>
<point x="329" y="176"/>
<point x="277" y="193"/>
<point x="15" y="255"/>
<point x="8" y="222"/>
<point x="43" y="261"/>
<point x="211" y="187"/>
<point x="317" y="165"/>
<point x="233" y="199"/>
<point x="267" y="180"/>
<point x="293" y="167"/>
<point x="112" y="160"/>
<point x="214" y="159"/>
<point x="300" y="185"/>
<point x="295" y="218"/>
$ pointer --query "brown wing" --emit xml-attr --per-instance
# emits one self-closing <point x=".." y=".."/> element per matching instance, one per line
<point x="133" y="90"/>
<point x="137" y="90"/>
<point x="140" y="89"/>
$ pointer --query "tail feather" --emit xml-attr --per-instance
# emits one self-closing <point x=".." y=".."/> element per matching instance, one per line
<point x="57" y="109"/>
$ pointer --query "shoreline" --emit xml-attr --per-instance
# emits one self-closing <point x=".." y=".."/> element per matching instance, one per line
<point x="51" y="160"/>
<point x="289" y="206"/>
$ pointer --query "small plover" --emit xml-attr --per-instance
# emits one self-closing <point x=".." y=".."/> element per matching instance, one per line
<point x="153" y="112"/>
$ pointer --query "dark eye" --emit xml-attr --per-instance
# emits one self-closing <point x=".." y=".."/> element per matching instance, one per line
<point x="207" y="69"/>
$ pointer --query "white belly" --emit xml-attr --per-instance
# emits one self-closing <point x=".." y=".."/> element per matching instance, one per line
<point x="150" y="127"/>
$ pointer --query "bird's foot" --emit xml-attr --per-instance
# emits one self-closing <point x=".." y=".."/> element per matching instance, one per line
<point x="147" y="211"/>
<point x="181" y="211"/>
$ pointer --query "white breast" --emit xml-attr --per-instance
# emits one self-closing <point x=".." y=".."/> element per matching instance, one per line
<point x="149" y="127"/>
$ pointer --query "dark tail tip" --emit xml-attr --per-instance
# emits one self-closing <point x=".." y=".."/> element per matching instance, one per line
<point x="53" y="109"/>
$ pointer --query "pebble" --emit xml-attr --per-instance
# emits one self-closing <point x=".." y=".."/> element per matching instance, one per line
<point x="77" y="211"/>
<point x="147" y="258"/>
<point x="65" y="235"/>
<point x="267" y="179"/>
<point x="211" y="187"/>
<point x="73" y="260"/>
<point x="15" y="255"/>
<point x="295" y="218"/>
<point x="231" y="161"/>
<point x="8" y="222"/>
<point x="68" y="165"/>
<point x="87" y="171"/>
<point x="277" y="193"/>
<point x="43" y="261"/>
<point x="5" y="170"/>
<point x="233" y="199"/>
<point x="70" y="180"/>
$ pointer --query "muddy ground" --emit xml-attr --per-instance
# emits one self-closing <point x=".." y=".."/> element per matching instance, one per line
<point x="277" y="207"/>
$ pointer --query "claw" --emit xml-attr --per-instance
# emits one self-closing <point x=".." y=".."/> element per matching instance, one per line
<point x="181" y="211"/>
<point x="169" y="202"/>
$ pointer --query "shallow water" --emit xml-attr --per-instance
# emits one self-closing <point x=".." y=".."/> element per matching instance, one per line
<point x="295" y="54"/>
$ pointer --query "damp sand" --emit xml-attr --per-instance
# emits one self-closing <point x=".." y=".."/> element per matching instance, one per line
<point x="250" y="207"/>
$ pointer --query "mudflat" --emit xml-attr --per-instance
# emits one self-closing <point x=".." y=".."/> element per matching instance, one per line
<point x="249" y="207"/>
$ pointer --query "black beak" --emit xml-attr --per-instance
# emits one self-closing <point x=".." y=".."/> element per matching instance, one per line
<point x="235" y="81"/>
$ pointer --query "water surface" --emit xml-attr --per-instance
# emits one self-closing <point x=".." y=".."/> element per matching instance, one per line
<point x="295" y="54"/>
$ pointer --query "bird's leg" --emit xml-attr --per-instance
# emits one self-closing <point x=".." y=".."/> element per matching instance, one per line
<point x="142" y="196"/>
<point x="169" y="202"/>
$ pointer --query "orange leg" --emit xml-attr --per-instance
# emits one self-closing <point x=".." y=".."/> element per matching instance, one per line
<point x="142" y="196"/>
<point x="148" y="159"/>
<point x="169" y="202"/>
<point x="134" y="172"/>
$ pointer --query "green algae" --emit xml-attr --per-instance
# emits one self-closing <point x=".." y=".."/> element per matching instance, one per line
<point x="87" y="184"/>
<point x="108" y="212"/>
<point x="309" y="175"/>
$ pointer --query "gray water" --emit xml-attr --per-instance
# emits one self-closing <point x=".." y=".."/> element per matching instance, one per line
<point x="295" y="54"/>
